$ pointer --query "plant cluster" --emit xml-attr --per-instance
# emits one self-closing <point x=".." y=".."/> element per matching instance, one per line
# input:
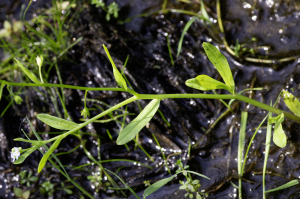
<point x="38" y="77"/>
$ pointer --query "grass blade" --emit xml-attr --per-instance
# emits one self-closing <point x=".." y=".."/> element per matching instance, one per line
<point x="187" y="26"/>
<point x="124" y="184"/>
<point x="241" y="148"/>
<point x="154" y="187"/>
<point x="284" y="186"/>
<point x="267" y="149"/>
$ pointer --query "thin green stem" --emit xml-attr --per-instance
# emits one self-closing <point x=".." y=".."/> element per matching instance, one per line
<point x="64" y="86"/>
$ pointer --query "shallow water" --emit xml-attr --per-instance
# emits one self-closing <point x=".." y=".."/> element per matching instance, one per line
<point x="150" y="71"/>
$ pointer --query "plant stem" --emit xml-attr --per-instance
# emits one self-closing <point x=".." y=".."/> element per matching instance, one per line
<point x="222" y="96"/>
<point x="64" y="86"/>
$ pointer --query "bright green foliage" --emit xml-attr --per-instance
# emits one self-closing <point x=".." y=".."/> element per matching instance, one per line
<point x="187" y="26"/>
<point x="221" y="64"/>
<point x="33" y="142"/>
<point x="26" y="154"/>
<point x="206" y="83"/>
<point x="292" y="102"/>
<point x="279" y="137"/>
<point x="85" y="112"/>
<point x="28" y="72"/>
<point x="49" y="152"/>
<point x="112" y="9"/>
<point x="287" y="185"/>
<point x="18" y="99"/>
<point x="119" y="78"/>
<point x="56" y="122"/>
<point x="132" y="129"/>
<point x="98" y="3"/>
<point x="154" y="187"/>
<point x="27" y="178"/>
<point x="1" y="89"/>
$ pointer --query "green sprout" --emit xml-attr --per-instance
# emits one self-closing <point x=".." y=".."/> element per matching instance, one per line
<point x="27" y="178"/>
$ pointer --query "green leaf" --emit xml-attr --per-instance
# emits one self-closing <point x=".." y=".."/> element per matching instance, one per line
<point x="187" y="26"/>
<point x="1" y="89"/>
<point x="26" y="194"/>
<point x="134" y="127"/>
<point x="203" y="12"/>
<point x="206" y="83"/>
<point x="221" y="64"/>
<point x="34" y="142"/>
<point x="154" y="187"/>
<point x="279" y="137"/>
<point x="56" y="122"/>
<point x="292" y="102"/>
<point x="277" y="119"/>
<point x="28" y="73"/>
<point x="198" y="174"/>
<point x="24" y="155"/>
<point x="18" y="192"/>
<point x="124" y="184"/>
<point x="284" y="186"/>
<point x="49" y="152"/>
<point x="119" y="78"/>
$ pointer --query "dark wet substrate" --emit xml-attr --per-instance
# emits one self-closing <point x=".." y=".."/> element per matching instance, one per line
<point x="150" y="72"/>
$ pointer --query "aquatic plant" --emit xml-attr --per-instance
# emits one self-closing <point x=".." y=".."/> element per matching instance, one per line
<point x="201" y="82"/>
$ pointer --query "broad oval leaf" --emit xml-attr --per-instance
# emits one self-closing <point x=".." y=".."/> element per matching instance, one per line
<point x="291" y="102"/>
<point x="28" y="73"/>
<point x="221" y="64"/>
<point x="154" y="187"/>
<point x="134" y="127"/>
<point x="26" y="154"/>
<point x="204" y="82"/>
<point x="56" y="122"/>
<point x="49" y="152"/>
<point x="119" y="78"/>
<point x="279" y="137"/>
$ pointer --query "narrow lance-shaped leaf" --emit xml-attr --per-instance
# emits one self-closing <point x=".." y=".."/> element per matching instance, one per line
<point x="206" y="83"/>
<point x="154" y="187"/>
<point x="119" y="78"/>
<point x="34" y="142"/>
<point x="1" y="89"/>
<point x="124" y="184"/>
<point x="26" y="154"/>
<point x="284" y="186"/>
<point x="187" y="26"/>
<point x="28" y="72"/>
<point x="49" y="152"/>
<point x="56" y="122"/>
<point x="221" y="64"/>
<point x="132" y="129"/>
<point x="292" y="102"/>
